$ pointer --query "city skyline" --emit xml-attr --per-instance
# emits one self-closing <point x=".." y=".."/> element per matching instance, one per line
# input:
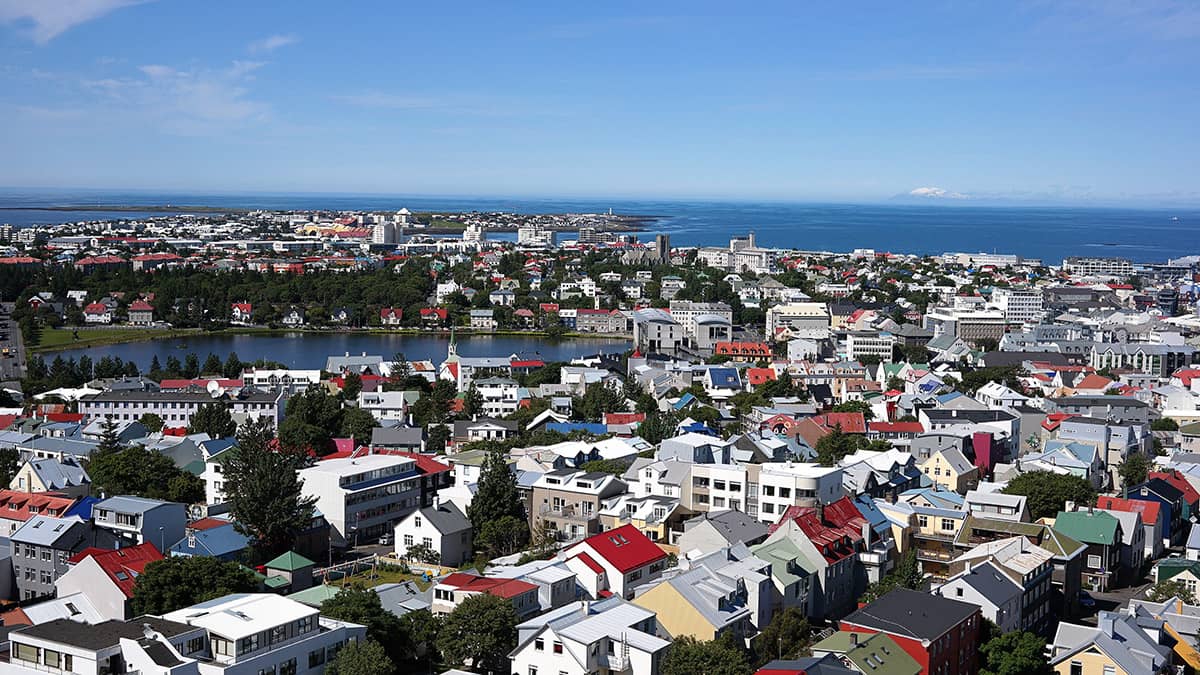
<point x="1049" y="103"/>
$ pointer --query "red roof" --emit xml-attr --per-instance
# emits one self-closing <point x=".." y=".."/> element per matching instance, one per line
<point x="897" y="427"/>
<point x="590" y="562"/>
<point x="625" y="548"/>
<point x="244" y="306"/>
<point x="1094" y="381"/>
<point x="624" y="418"/>
<point x="439" y="312"/>
<point x="207" y="524"/>
<point x="501" y="588"/>
<point x="835" y="534"/>
<point x="1148" y="510"/>
<point x="391" y="313"/>
<point x="850" y="422"/>
<point x="742" y="349"/>
<point x="96" y="308"/>
<point x="757" y="376"/>
<point x="122" y="565"/>
<point x="1177" y="481"/>
<point x="64" y="417"/>
<point x="6" y="421"/>
<point x="534" y="363"/>
<point x="140" y="306"/>
<point x="1054" y="419"/>
<point x="17" y="505"/>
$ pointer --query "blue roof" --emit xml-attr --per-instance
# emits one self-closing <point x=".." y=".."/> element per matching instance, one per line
<point x="696" y="428"/>
<point x="724" y="377"/>
<point x="946" y="398"/>
<point x="215" y="542"/>
<point x="567" y="427"/>
<point x="82" y="508"/>
<point x="684" y="400"/>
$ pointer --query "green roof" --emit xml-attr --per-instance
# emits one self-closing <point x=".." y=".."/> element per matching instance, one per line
<point x="1057" y="543"/>
<point x="276" y="581"/>
<point x="1192" y="429"/>
<point x="778" y="553"/>
<point x="290" y="562"/>
<point x="1090" y="527"/>
<point x="315" y="596"/>
<point x="886" y="657"/>
<point x="1174" y="566"/>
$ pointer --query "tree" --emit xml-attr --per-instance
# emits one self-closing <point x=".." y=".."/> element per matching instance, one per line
<point x="496" y="495"/>
<point x="1134" y="469"/>
<point x="835" y="445"/>
<point x="351" y="386"/>
<point x="358" y="424"/>
<point x="479" y="634"/>
<point x="212" y="365"/>
<point x="213" y="419"/>
<point x="10" y="464"/>
<point x="785" y="637"/>
<point x="366" y="657"/>
<point x="856" y="406"/>
<point x="360" y="605"/>
<point x="152" y="422"/>
<point x="598" y="398"/>
<point x="437" y="436"/>
<point x="233" y="366"/>
<point x="142" y="471"/>
<point x="907" y="574"/>
<point x="179" y="581"/>
<point x="1014" y="653"/>
<point x="472" y="402"/>
<point x="264" y="490"/>
<point x="689" y="656"/>
<point x="615" y="467"/>
<point x="1164" y="424"/>
<point x="1170" y="588"/>
<point x="503" y="536"/>
<point x="423" y="553"/>
<point x="1048" y="492"/>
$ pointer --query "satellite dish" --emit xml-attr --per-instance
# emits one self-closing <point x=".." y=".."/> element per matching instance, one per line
<point x="214" y="389"/>
<point x="197" y="511"/>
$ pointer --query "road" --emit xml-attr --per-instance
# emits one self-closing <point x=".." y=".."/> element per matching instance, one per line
<point x="12" y="365"/>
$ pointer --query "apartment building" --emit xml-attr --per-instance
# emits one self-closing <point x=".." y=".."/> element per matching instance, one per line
<point x="137" y="520"/>
<point x="176" y="408"/>
<point x="869" y="344"/>
<point x="1098" y="267"/>
<point x="42" y="548"/>
<point x="501" y="395"/>
<point x="568" y="501"/>
<point x="1023" y="306"/>
<point x="363" y="497"/>
<point x="66" y="646"/>
<point x="291" y="381"/>
<point x="784" y="484"/>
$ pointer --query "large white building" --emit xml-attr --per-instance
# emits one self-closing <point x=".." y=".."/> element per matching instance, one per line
<point x="784" y="484"/>
<point x="1098" y="267"/>
<point x="875" y="344"/>
<point x="807" y="319"/>
<point x="1019" y="305"/>
<point x="291" y="381"/>
<point x="363" y="497"/>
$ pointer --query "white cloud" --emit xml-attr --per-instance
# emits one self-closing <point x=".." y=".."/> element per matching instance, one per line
<point x="156" y="71"/>
<point x="935" y="193"/>
<point x="273" y="42"/>
<point x="51" y="18"/>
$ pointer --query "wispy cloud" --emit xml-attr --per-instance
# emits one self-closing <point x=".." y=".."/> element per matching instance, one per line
<point x="935" y="193"/>
<point x="273" y="42"/>
<point x="193" y="101"/>
<point x="378" y="99"/>
<point x="1158" y="19"/>
<point x="47" y="19"/>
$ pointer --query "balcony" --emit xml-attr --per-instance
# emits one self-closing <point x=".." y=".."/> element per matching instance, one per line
<point x="566" y="512"/>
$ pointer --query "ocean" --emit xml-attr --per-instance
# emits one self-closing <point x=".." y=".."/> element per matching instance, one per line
<point x="1049" y="233"/>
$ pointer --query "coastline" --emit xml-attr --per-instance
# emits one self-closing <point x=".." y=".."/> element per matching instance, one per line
<point x="101" y="337"/>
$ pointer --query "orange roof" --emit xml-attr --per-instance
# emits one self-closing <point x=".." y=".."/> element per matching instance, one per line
<point x="1147" y="510"/>
<point x="757" y="376"/>
<point x="1094" y="381"/>
<point x="501" y="588"/>
<point x="122" y="565"/>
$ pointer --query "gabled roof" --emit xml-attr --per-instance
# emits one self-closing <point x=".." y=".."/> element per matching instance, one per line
<point x="1147" y="509"/>
<point x="123" y="565"/>
<point x="625" y="548"/>
<point x="289" y="562"/>
<point x="501" y="588"/>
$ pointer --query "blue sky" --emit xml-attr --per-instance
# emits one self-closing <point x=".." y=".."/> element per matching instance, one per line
<point x="1091" y="102"/>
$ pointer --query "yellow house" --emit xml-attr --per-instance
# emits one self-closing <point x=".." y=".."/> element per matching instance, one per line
<point x="698" y="604"/>
<point x="1118" y="645"/>
<point x="46" y="474"/>
<point x="949" y="468"/>
<point x="1091" y="661"/>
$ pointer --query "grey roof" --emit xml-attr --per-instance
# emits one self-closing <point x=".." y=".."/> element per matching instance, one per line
<point x="990" y="582"/>
<point x="408" y="436"/>
<point x="101" y="635"/>
<point x="48" y="531"/>
<point x="1193" y="540"/>
<point x="446" y="518"/>
<point x="735" y="526"/>
<point x="812" y="665"/>
<point x="129" y="504"/>
<point x="912" y="614"/>
<point x="56" y="475"/>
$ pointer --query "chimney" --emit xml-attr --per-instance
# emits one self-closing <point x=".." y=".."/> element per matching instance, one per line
<point x="586" y="606"/>
<point x="1069" y="506"/>
<point x="853" y="640"/>
<point x="866" y="535"/>
<point x="967" y="567"/>
<point x="1107" y="624"/>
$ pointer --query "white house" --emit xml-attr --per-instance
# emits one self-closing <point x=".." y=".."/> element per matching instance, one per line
<point x="442" y="527"/>
<point x="581" y="638"/>
<point x="615" y="561"/>
<point x="107" y="578"/>
<point x="500" y="395"/>
<point x="990" y="589"/>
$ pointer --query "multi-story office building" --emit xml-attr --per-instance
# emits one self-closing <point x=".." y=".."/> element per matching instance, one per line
<point x="176" y="408"/>
<point x="806" y="319"/>
<point x="873" y="344"/>
<point x="363" y="497"/>
<point x="1019" y="305"/>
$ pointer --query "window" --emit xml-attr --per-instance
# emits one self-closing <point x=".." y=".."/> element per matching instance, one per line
<point x="768" y="507"/>
<point x="408" y="540"/>
<point x="768" y="490"/>
<point x="427" y="542"/>
<point x="923" y="521"/>
<point x="288" y="667"/>
<point x="316" y="658"/>
<point x="558" y="648"/>
<point x="539" y="644"/>
<point x="532" y="670"/>
<point x="1076" y="668"/>
<point x="947" y="524"/>
<point x="195" y="644"/>
<point x="222" y="647"/>
<point x="24" y="652"/>
<point x="51" y="658"/>
<point x="1094" y="562"/>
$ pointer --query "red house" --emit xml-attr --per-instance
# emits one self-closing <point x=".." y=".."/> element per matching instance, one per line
<point x="434" y="316"/>
<point x="941" y="634"/>
<point x="391" y="316"/>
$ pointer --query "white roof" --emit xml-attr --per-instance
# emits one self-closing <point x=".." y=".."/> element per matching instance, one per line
<point x="351" y="465"/>
<point x="242" y="614"/>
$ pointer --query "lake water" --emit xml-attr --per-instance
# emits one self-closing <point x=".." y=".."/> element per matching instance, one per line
<point x="1050" y="233"/>
<point x="309" y="350"/>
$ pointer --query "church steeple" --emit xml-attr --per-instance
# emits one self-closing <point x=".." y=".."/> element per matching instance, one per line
<point x="452" y="349"/>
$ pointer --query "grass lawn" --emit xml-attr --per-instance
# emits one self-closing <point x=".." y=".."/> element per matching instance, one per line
<point x="65" y="338"/>
<point x="386" y="574"/>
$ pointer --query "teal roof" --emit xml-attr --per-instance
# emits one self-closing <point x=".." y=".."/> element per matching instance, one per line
<point x="1090" y="527"/>
<point x="289" y="562"/>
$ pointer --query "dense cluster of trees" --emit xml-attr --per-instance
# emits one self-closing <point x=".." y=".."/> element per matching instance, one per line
<point x="138" y="470"/>
<point x="1047" y="493"/>
<point x="176" y="582"/>
<point x="60" y="372"/>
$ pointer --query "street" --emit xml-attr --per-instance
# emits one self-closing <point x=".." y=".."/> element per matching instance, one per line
<point x="12" y="349"/>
